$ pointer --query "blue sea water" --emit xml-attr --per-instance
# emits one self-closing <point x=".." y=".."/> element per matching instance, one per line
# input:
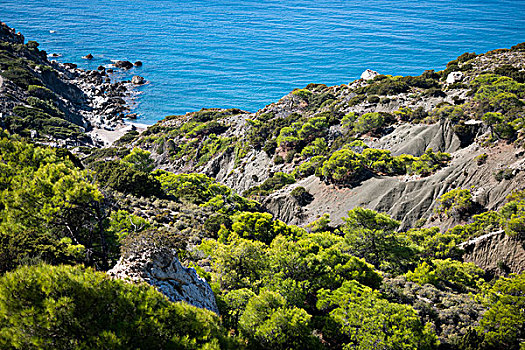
<point x="246" y="53"/>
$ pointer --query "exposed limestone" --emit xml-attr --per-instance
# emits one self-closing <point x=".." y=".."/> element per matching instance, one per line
<point x="161" y="268"/>
<point x="369" y="74"/>
<point x="454" y="77"/>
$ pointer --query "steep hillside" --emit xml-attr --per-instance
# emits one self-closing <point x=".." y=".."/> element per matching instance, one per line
<point x="347" y="145"/>
<point x="441" y="152"/>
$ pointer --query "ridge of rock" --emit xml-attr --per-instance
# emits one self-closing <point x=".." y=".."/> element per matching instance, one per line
<point x="160" y="268"/>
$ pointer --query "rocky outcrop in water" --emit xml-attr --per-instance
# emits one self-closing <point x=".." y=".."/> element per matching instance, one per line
<point x="58" y="102"/>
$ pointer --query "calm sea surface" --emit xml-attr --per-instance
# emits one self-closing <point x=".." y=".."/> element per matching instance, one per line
<point x="247" y="54"/>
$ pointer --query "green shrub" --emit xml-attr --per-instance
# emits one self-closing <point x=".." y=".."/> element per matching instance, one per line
<point x="41" y="92"/>
<point x="127" y="138"/>
<point x="481" y="159"/>
<point x="124" y="178"/>
<point x="344" y="167"/>
<point x="502" y="324"/>
<point x="72" y="307"/>
<point x="374" y="99"/>
<point x="302" y="196"/>
<point x="302" y="93"/>
<point x="269" y="324"/>
<point x="456" y="203"/>
<point x="20" y="76"/>
<point x="459" y="276"/>
<point x="311" y="167"/>
<point x="504" y="174"/>
<point x="368" y="122"/>
<point x="314" y="128"/>
<point x="359" y="318"/>
<point x="384" y="86"/>
<point x="288" y="138"/>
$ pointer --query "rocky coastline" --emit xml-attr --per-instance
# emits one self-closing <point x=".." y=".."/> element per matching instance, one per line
<point x="109" y="101"/>
<point x="97" y="101"/>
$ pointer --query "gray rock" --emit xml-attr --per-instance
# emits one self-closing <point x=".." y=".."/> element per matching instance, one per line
<point x="137" y="80"/>
<point x="495" y="250"/>
<point x="369" y="74"/>
<point x="161" y="268"/>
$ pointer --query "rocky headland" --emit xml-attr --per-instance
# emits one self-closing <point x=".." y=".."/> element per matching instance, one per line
<point x="59" y="102"/>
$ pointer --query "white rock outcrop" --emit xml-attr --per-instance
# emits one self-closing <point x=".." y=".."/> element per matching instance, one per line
<point x="454" y="77"/>
<point x="137" y="80"/>
<point x="161" y="268"/>
<point x="369" y="74"/>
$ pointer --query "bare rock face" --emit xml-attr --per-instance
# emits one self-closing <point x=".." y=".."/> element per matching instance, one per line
<point x="496" y="251"/>
<point x="454" y="77"/>
<point x="161" y="268"/>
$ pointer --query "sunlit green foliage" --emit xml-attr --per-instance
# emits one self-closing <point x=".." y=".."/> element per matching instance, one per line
<point x="124" y="177"/>
<point x="63" y="307"/>
<point x="269" y="324"/>
<point x="201" y="189"/>
<point x="456" y="203"/>
<point x="360" y="319"/>
<point x="49" y="208"/>
<point x="450" y="273"/>
<point x="502" y="326"/>
<point x="139" y="160"/>
<point x="368" y="122"/>
<point x="343" y="167"/>
<point x="433" y="244"/>
<point x="316" y="148"/>
<point x="348" y="167"/>
<point x="371" y="235"/>
<point x="122" y="223"/>
<point x="273" y="183"/>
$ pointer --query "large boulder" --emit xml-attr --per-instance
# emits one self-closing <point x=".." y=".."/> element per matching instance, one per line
<point x="124" y="64"/>
<point x="160" y="267"/>
<point x="137" y="80"/>
<point x="454" y="77"/>
<point x="369" y="74"/>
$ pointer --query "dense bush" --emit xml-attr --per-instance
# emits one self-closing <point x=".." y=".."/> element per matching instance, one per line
<point x="371" y="235"/>
<point x="369" y="122"/>
<point x="502" y="325"/>
<point x="65" y="307"/>
<point x="203" y="190"/>
<point x="360" y="319"/>
<point x="458" y="276"/>
<point x="348" y="167"/>
<point x="344" y="167"/>
<point x="456" y="203"/>
<point x="49" y="209"/>
<point x="123" y="177"/>
<point x="302" y="196"/>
